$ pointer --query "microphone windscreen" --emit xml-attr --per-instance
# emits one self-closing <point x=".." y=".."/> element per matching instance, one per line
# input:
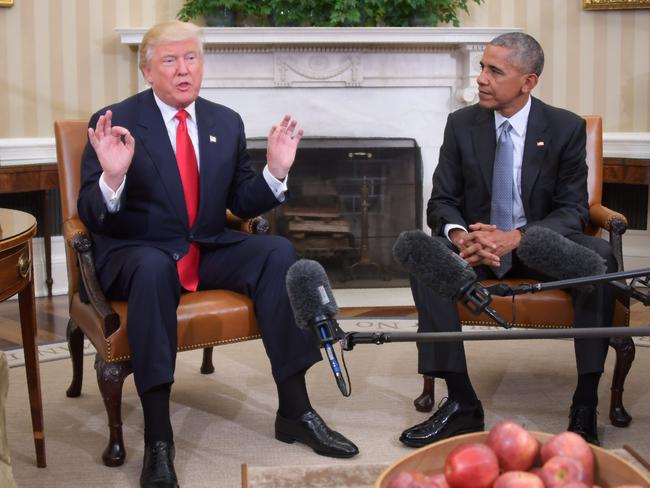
<point x="310" y="293"/>
<point x="549" y="252"/>
<point x="433" y="263"/>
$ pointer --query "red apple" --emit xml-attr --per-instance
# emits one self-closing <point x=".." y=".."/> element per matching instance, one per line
<point x="518" y="479"/>
<point x="571" y="445"/>
<point x="515" y="447"/>
<point x="401" y="480"/>
<point x="560" y="470"/>
<point x="440" y="480"/>
<point x="471" y="465"/>
<point x="421" y="480"/>
<point x="576" y="484"/>
<point x="414" y="479"/>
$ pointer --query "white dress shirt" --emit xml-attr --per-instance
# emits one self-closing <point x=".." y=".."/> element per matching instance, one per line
<point x="112" y="198"/>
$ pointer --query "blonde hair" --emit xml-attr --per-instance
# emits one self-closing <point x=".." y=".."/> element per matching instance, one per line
<point x="171" y="31"/>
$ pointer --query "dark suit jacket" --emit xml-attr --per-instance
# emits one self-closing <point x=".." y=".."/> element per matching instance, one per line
<point x="152" y="208"/>
<point x="554" y="171"/>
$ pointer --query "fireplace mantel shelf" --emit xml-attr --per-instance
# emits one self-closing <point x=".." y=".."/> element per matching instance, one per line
<point x="347" y="36"/>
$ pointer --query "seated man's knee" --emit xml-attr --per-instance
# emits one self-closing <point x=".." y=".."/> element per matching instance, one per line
<point x="605" y="251"/>
<point x="281" y="251"/>
<point x="600" y="247"/>
<point x="155" y="266"/>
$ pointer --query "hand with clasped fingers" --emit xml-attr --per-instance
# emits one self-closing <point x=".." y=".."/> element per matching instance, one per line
<point x="281" y="147"/>
<point x="114" y="147"/>
<point x="484" y="244"/>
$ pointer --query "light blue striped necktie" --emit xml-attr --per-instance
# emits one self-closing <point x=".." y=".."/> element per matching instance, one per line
<point x="502" y="191"/>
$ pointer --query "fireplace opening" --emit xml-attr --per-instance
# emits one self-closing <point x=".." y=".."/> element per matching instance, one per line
<point x="349" y="200"/>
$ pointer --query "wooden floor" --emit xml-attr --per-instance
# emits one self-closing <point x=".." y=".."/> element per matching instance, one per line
<point x="52" y="318"/>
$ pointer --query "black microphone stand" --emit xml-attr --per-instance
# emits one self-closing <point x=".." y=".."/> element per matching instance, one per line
<point x="639" y="277"/>
<point x="350" y="339"/>
<point x="477" y="299"/>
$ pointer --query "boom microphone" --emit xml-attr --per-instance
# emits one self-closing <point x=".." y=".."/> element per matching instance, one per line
<point x="314" y="308"/>
<point x="433" y="263"/>
<point x="549" y="252"/>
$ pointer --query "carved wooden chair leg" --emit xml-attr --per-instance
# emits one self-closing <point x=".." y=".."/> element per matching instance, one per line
<point x="75" y="338"/>
<point x="424" y="403"/>
<point x="625" y="350"/>
<point x="206" y="366"/>
<point x="110" y="377"/>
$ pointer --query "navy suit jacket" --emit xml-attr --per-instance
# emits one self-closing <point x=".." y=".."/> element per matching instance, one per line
<point x="152" y="207"/>
<point x="554" y="170"/>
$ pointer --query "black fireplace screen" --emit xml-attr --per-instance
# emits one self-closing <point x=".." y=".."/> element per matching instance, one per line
<point x="349" y="200"/>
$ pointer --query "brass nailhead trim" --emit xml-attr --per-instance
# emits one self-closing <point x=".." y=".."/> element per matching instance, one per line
<point x="198" y="346"/>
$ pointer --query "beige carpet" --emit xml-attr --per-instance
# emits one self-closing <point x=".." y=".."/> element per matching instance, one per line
<point x="225" y="420"/>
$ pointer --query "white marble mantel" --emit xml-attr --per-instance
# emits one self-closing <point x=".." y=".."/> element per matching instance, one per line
<point x="299" y="36"/>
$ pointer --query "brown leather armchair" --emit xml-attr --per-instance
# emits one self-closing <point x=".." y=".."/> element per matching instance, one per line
<point x="553" y="308"/>
<point x="205" y="318"/>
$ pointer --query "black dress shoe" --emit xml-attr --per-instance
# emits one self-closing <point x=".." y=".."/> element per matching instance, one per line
<point x="582" y="421"/>
<point x="312" y="430"/>
<point x="158" y="466"/>
<point x="450" y="419"/>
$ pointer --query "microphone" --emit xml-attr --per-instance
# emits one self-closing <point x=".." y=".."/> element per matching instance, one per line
<point x="314" y="308"/>
<point x="432" y="262"/>
<point x="549" y="252"/>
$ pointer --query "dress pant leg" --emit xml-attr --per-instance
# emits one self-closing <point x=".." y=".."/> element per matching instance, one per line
<point x="437" y="314"/>
<point x="257" y="267"/>
<point x="594" y="309"/>
<point x="147" y="278"/>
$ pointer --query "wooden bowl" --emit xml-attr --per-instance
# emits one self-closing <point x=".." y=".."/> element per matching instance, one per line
<point x="609" y="469"/>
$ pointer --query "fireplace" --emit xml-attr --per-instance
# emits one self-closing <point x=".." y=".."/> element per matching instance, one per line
<point x="350" y="199"/>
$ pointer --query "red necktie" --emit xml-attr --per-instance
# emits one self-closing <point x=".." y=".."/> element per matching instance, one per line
<point x="188" y="265"/>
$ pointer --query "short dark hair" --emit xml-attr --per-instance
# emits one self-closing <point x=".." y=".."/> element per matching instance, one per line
<point x="527" y="54"/>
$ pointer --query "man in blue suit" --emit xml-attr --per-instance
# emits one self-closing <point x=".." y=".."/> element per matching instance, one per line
<point x="158" y="174"/>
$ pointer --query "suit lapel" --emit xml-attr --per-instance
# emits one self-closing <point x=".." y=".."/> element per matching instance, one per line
<point x="209" y="144"/>
<point x="535" y="147"/>
<point x="484" y="138"/>
<point x="155" y="140"/>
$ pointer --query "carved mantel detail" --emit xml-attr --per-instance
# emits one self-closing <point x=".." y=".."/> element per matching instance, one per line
<point x="320" y="68"/>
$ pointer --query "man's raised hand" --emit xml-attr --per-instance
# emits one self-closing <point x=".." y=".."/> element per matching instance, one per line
<point x="281" y="147"/>
<point x="114" y="147"/>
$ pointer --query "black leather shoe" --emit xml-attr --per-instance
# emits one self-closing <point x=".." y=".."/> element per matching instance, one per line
<point x="312" y="430"/>
<point x="158" y="466"/>
<point x="450" y="419"/>
<point x="582" y="420"/>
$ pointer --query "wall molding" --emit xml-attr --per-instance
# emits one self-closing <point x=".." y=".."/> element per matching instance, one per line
<point x="39" y="150"/>
<point x="632" y="145"/>
<point x="27" y="150"/>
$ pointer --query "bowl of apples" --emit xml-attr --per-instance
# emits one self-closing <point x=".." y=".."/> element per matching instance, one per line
<point x="509" y="456"/>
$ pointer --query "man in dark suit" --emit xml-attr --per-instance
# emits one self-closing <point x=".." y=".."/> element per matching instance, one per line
<point x="158" y="174"/>
<point x="508" y="163"/>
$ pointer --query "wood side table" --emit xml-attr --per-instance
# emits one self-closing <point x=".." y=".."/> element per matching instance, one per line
<point x="39" y="178"/>
<point x="17" y="276"/>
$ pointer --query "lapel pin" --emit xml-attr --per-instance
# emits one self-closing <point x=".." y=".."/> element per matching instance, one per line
<point x="213" y="138"/>
<point x="540" y="143"/>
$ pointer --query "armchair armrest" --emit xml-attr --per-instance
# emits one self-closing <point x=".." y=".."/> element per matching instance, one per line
<point x="79" y="240"/>
<point x="613" y="222"/>
<point x="605" y="218"/>
<point x="256" y="225"/>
